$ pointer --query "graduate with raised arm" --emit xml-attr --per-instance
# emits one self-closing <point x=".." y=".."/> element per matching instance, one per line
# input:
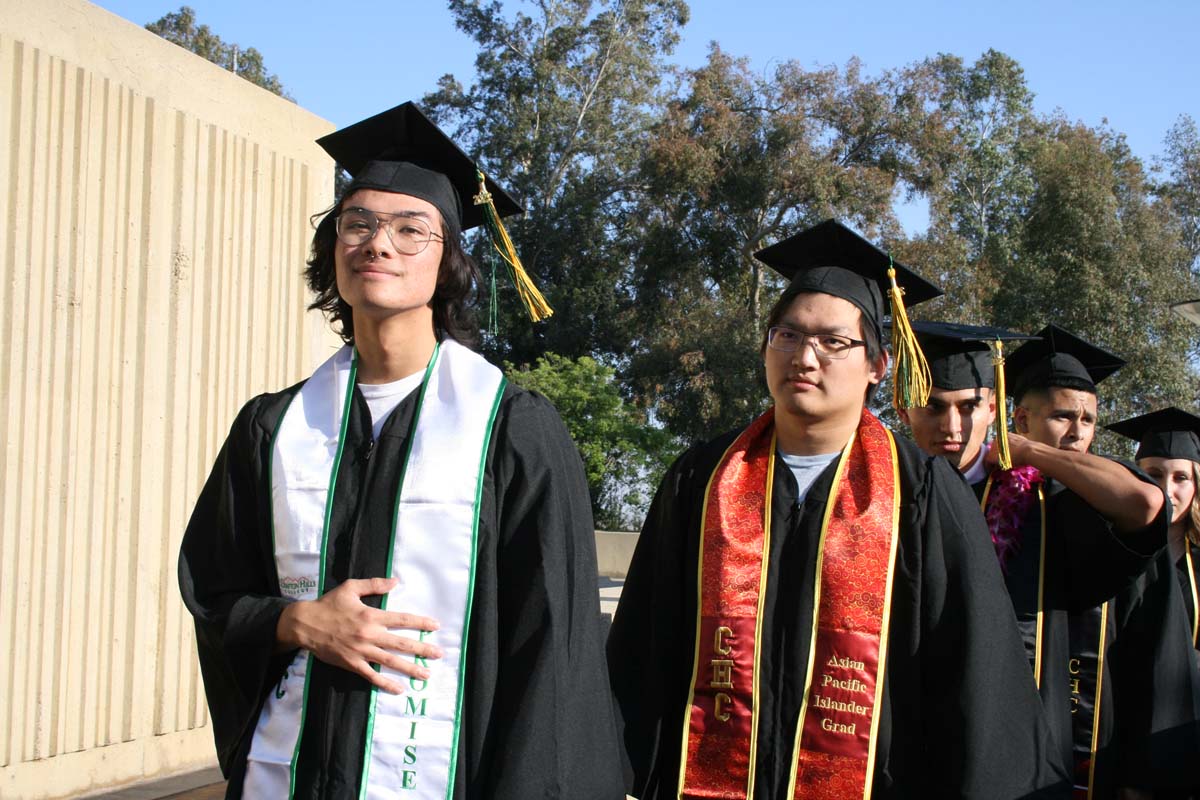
<point x="814" y="608"/>
<point x="1120" y="724"/>
<point x="1072" y="530"/>
<point x="392" y="565"/>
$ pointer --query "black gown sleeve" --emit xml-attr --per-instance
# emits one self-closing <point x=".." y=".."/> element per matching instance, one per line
<point x="1156" y="686"/>
<point x="227" y="579"/>
<point x="650" y="642"/>
<point x="551" y="718"/>
<point x="1100" y="561"/>
<point x="985" y="733"/>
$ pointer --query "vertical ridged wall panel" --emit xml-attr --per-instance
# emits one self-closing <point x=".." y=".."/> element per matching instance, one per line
<point x="152" y="254"/>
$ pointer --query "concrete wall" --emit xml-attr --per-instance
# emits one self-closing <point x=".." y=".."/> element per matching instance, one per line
<point x="614" y="551"/>
<point x="154" y="228"/>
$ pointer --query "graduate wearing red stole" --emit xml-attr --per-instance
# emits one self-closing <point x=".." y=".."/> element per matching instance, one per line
<point x="814" y="608"/>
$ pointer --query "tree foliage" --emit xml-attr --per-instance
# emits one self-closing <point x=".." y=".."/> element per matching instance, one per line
<point x="648" y="189"/>
<point x="1182" y="185"/>
<point x="558" y="114"/>
<point x="622" y="453"/>
<point x="180" y="28"/>
<point x="1103" y="257"/>
<point x="977" y="159"/>
<point x="737" y="161"/>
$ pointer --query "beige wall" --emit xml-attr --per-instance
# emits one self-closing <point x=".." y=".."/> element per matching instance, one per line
<point x="154" y="214"/>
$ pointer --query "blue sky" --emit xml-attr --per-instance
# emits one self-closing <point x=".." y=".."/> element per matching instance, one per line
<point x="1136" y="65"/>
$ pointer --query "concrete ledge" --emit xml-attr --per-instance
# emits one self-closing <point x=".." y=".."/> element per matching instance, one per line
<point x="614" y="551"/>
<point x="199" y="784"/>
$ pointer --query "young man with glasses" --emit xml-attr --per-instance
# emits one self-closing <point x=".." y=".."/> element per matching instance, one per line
<point x="814" y="608"/>
<point x="392" y="565"/>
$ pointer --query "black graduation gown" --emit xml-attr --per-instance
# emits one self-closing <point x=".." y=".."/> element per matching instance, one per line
<point x="1087" y="562"/>
<point x="537" y="718"/>
<point x="959" y="713"/>
<point x="1146" y="731"/>
<point x="1190" y="587"/>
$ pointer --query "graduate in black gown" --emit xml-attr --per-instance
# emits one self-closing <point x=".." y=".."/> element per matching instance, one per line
<point x="1072" y="530"/>
<point x="532" y="716"/>
<point x="964" y="399"/>
<point x="1169" y="452"/>
<point x="1136" y="698"/>
<point x="957" y="714"/>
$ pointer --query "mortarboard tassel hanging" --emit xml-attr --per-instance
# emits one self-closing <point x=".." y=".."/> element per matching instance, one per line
<point x="1005" y="458"/>
<point x="535" y="304"/>
<point x="911" y="381"/>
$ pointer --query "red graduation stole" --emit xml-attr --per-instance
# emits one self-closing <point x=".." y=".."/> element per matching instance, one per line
<point x="834" y="751"/>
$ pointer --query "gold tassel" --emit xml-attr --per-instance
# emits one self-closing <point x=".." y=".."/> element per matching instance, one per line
<point x="534" y="303"/>
<point x="1005" y="458"/>
<point x="911" y="381"/>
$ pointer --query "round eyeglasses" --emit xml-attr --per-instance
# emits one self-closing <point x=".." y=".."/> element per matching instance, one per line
<point x="825" y="345"/>
<point x="408" y="234"/>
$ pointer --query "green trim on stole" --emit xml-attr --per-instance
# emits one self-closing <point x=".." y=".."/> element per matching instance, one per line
<point x="366" y="765"/>
<point x="462" y="664"/>
<point x="337" y="463"/>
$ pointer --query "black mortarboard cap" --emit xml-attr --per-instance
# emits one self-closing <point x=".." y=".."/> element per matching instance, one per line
<point x="401" y="150"/>
<point x="1189" y="310"/>
<point x="1059" y="358"/>
<point x="960" y="356"/>
<point x="832" y="259"/>
<point x="1166" y="433"/>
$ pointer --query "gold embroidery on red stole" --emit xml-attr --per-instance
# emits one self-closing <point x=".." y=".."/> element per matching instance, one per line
<point x="721" y="723"/>
<point x="720" y="726"/>
<point x="838" y="727"/>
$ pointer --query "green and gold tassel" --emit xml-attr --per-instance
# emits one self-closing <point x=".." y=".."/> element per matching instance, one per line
<point x="1005" y="457"/>
<point x="535" y="304"/>
<point x="911" y="381"/>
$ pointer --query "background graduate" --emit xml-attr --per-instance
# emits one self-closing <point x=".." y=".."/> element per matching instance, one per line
<point x="392" y="566"/>
<point x="1128" y="717"/>
<point x="1169" y="451"/>
<point x="814" y="608"/>
<point x="1166" y="758"/>
<point x="963" y="401"/>
<point x="1071" y="529"/>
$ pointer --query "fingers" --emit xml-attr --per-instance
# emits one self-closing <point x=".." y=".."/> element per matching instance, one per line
<point x="412" y="647"/>
<point x="412" y="622"/>
<point x="375" y="677"/>
<point x="409" y="667"/>
<point x="363" y="587"/>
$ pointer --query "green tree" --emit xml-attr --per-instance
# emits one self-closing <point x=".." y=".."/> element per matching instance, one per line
<point x="1182" y="185"/>
<point x="180" y="28"/>
<point x="983" y="160"/>
<point x="559" y="114"/>
<point x="623" y="454"/>
<point x="977" y="156"/>
<point x="1100" y="255"/>
<point x="739" y="161"/>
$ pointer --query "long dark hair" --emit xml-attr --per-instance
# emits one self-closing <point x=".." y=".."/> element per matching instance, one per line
<point x="457" y="281"/>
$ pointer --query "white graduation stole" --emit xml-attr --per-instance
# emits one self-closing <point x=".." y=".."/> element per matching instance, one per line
<point x="412" y="738"/>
